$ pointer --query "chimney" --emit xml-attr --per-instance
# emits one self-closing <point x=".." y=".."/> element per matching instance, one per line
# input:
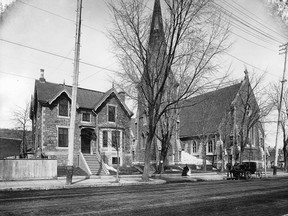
<point x="42" y="79"/>
<point x="122" y="96"/>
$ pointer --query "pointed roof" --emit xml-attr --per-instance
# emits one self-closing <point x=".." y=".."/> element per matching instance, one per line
<point x="157" y="35"/>
<point x="203" y="114"/>
<point x="109" y="93"/>
<point x="47" y="92"/>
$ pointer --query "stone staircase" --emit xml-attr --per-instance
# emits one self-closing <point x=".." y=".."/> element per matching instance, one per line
<point x="94" y="164"/>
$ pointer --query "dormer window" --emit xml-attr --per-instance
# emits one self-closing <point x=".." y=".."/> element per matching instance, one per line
<point x="86" y="117"/>
<point x="64" y="107"/>
<point x="111" y="113"/>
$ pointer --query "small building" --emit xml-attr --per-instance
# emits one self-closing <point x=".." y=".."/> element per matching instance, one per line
<point x="9" y="147"/>
<point x="102" y="124"/>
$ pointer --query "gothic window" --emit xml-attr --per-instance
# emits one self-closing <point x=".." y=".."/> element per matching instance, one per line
<point x="63" y="107"/>
<point x="62" y="137"/>
<point x="252" y="136"/>
<point x="210" y="146"/>
<point x="111" y="113"/>
<point x="248" y="110"/>
<point x="105" y="139"/>
<point x="194" y="147"/>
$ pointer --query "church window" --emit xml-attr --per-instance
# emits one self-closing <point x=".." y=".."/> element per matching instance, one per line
<point x="194" y="147"/>
<point x="210" y="146"/>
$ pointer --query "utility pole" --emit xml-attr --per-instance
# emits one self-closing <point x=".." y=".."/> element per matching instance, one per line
<point x="74" y="95"/>
<point x="283" y="50"/>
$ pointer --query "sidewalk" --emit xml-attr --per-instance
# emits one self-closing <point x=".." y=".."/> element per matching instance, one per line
<point x="104" y="181"/>
<point x="77" y="182"/>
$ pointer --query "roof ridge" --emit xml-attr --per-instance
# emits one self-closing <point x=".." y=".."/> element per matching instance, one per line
<point x="60" y="84"/>
<point x="206" y="93"/>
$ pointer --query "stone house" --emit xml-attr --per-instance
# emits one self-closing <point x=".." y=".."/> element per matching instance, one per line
<point x="102" y="123"/>
<point x="211" y="125"/>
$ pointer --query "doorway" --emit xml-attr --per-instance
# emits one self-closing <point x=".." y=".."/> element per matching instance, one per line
<point x="87" y="136"/>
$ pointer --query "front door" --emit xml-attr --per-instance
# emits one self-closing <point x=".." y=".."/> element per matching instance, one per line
<point x="85" y="144"/>
<point x="86" y="137"/>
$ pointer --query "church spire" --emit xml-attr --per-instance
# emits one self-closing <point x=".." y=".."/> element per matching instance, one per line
<point x="157" y="30"/>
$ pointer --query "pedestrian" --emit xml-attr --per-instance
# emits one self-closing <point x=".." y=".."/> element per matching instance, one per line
<point x="185" y="170"/>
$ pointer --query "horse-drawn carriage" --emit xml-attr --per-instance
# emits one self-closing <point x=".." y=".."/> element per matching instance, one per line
<point x="244" y="170"/>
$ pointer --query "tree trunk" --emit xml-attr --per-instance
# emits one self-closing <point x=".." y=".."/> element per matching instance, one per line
<point x="204" y="156"/>
<point x="147" y="158"/>
<point x="285" y="155"/>
<point x="163" y="157"/>
<point x="223" y="158"/>
<point x="24" y="147"/>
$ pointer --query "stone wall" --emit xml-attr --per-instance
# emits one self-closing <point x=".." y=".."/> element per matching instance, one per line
<point x="24" y="169"/>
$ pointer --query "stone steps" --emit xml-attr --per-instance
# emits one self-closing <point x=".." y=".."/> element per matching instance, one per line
<point x="94" y="165"/>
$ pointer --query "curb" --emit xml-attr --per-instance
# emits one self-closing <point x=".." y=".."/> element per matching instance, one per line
<point x="110" y="184"/>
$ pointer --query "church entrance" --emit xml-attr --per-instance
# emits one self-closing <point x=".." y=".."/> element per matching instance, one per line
<point x="87" y="136"/>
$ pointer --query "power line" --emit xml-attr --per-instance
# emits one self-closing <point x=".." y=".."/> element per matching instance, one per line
<point x="244" y="22"/>
<point x="57" y="55"/>
<point x="249" y="26"/>
<point x="57" y="15"/>
<point x="26" y="77"/>
<point x="249" y="64"/>
<point x="261" y="23"/>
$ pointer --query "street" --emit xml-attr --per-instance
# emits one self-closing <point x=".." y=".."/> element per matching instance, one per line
<point x="253" y="197"/>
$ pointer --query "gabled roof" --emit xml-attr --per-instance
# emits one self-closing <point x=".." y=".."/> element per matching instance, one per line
<point x="112" y="91"/>
<point x="203" y="114"/>
<point x="48" y="92"/>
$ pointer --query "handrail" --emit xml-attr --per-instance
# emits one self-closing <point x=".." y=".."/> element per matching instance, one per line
<point x="85" y="163"/>
<point x="103" y="166"/>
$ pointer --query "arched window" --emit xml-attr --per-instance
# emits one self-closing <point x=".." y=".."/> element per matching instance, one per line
<point x="194" y="147"/>
<point x="210" y="146"/>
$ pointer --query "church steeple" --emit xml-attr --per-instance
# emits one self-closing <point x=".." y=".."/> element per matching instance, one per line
<point x="157" y="36"/>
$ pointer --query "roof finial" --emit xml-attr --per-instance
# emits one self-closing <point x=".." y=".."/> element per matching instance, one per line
<point x="246" y="72"/>
<point x="113" y="84"/>
<point x="64" y="82"/>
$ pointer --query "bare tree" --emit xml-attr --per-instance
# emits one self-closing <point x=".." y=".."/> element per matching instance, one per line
<point x="274" y="99"/>
<point x="177" y="51"/>
<point x="251" y="109"/>
<point x="22" y="122"/>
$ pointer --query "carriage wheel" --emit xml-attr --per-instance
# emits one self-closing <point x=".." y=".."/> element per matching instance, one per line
<point x="248" y="175"/>
<point x="259" y="174"/>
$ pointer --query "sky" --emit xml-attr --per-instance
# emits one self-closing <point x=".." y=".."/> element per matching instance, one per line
<point x="40" y="34"/>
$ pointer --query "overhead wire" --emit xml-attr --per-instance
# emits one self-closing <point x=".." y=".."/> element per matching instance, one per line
<point x="237" y="18"/>
<point x="249" y="26"/>
<point x="57" y="55"/>
<point x="253" y="14"/>
<point x="60" y="16"/>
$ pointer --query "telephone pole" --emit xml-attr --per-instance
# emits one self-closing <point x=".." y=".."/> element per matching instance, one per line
<point x="283" y="50"/>
<point x="71" y="136"/>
